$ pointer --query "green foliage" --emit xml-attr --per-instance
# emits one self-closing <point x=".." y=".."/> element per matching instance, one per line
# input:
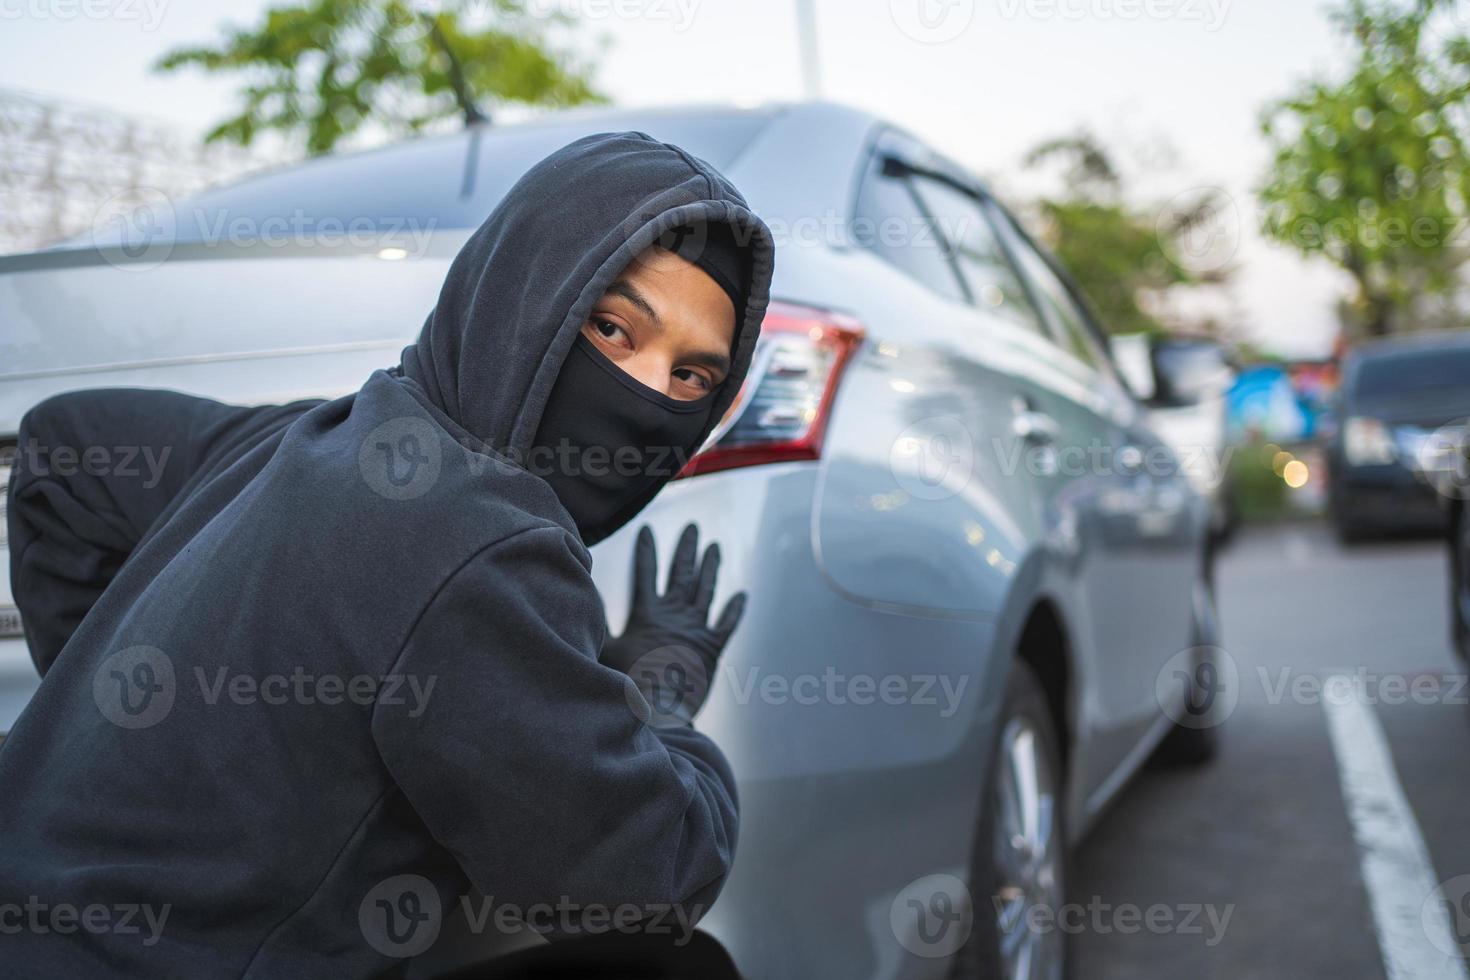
<point x="322" y="69"/>
<point x="1124" y="258"/>
<point x="1372" y="172"/>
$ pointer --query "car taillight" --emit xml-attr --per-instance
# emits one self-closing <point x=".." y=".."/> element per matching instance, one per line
<point x="781" y="412"/>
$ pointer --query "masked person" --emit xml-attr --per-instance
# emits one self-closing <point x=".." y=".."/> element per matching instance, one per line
<point x="325" y="665"/>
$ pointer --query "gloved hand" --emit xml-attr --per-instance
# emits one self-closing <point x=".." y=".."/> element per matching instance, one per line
<point x="667" y="648"/>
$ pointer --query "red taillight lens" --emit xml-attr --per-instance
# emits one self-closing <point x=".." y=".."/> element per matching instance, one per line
<point x="782" y="409"/>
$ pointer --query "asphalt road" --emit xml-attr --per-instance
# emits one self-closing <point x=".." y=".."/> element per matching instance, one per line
<point x="1289" y="871"/>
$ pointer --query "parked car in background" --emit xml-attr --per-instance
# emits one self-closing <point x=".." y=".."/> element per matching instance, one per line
<point x="1452" y="480"/>
<point x="1183" y="383"/>
<point x="1395" y="397"/>
<point x="978" y="594"/>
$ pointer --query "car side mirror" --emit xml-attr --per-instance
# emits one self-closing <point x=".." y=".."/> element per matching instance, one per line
<point x="1187" y="372"/>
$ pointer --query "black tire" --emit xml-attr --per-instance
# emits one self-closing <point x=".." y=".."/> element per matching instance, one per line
<point x="1195" y="741"/>
<point x="1025" y="705"/>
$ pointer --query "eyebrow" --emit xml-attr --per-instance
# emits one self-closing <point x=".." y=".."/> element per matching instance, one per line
<point x="714" y="360"/>
<point x="630" y="293"/>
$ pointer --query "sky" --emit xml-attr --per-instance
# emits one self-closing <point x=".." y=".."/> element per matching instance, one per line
<point x="1175" y="87"/>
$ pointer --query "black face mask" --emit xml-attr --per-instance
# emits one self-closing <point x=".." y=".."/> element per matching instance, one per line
<point x="607" y="442"/>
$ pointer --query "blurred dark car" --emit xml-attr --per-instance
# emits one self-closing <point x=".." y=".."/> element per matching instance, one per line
<point x="1399" y="399"/>
<point x="1455" y="482"/>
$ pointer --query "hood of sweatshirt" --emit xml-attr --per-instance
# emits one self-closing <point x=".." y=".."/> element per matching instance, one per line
<point x="518" y="292"/>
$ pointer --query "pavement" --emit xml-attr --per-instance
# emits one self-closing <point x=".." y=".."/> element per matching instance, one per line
<point x="1331" y="832"/>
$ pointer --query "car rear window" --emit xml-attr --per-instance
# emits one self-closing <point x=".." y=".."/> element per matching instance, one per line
<point x="1398" y="373"/>
<point x="440" y="182"/>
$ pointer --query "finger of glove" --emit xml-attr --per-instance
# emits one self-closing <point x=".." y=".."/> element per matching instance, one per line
<point x="645" y="566"/>
<point x="681" y="570"/>
<point x="704" y="592"/>
<point x="730" y="617"/>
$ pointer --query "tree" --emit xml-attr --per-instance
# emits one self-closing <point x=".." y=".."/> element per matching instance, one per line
<point x="1371" y="172"/>
<point x="1124" y="258"/>
<point x="323" y="69"/>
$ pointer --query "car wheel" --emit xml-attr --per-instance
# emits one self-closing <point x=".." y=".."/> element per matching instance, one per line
<point x="1019" y="858"/>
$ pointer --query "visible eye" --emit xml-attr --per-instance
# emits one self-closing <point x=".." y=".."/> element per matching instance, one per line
<point x="609" y="332"/>
<point x="696" y="380"/>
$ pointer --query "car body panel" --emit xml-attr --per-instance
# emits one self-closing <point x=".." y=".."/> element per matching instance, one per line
<point x="859" y="573"/>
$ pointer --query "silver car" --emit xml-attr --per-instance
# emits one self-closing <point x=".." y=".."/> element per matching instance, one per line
<point x="978" y="597"/>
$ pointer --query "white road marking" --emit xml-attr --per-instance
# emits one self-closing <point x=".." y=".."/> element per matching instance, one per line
<point x="1391" y="851"/>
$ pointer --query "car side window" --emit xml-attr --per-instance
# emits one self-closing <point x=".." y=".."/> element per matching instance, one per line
<point x="1068" y="321"/>
<point x="890" y="222"/>
<point x="992" y="281"/>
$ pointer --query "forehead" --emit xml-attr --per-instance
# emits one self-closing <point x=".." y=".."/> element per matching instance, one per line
<point x="683" y="297"/>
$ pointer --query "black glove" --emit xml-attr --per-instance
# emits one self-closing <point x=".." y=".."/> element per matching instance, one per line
<point x="667" y="647"/>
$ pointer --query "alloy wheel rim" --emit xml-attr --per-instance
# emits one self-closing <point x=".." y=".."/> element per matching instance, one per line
<point x="1027" y="857"/>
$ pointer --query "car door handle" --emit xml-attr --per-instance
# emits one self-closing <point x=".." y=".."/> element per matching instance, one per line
<point x="1035" y="427"/>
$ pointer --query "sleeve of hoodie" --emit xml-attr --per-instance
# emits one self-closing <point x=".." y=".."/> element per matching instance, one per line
<point x="92" y="472"/>
<point x="528" y="762"/>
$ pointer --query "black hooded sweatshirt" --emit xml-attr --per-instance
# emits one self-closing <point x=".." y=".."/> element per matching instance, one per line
<point x="310" y="670"/>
